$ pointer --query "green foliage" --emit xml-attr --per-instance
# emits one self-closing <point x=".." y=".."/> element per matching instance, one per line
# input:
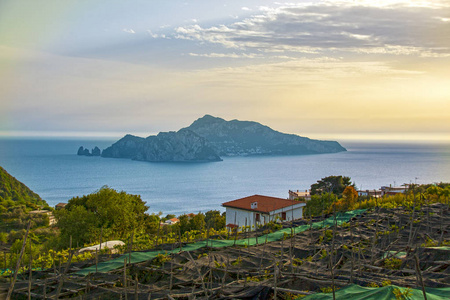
<point x="118" y="213"/>
<point x="14" y="192"/>
<point x="386" y="282"/>
<point x="237" y="262"/>
<point x="331" y="184"/>
<point x="393" y="263"/>
<point x="319" y="204"/>
<point x="160" y="259"/>
<point x="402" y="295"/>
<point x="214" y="219"/>
<point x="327" y="289"/>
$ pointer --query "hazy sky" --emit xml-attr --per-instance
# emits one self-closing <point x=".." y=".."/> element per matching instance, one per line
<point x="324" y="69"/>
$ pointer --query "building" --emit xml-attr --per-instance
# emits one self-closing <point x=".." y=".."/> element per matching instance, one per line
<point x="259" y="210"/>
<point x="172" y="221"/>
<point x="306" y="195"/>
<point x="370" y="193"/>
<point x="60" y="206"/>
<point x="389" y="190"/>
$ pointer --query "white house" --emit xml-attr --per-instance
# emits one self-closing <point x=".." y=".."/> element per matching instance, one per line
<point x="370" y="193"/>
<point x="259" y="210"/>
<point x="172" y="221"/>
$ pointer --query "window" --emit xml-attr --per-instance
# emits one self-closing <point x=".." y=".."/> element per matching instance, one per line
<point x="257" y="218"/>
<point x="283" y="216"/>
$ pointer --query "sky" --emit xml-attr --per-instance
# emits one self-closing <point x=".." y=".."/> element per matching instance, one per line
<point x="323" y="69"/>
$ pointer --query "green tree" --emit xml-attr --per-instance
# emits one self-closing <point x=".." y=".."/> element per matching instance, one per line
<point x="214" y="219"/>
<point x="319" y="204"/>
<point x="115" y="214"/>
<point x="197" y="222"/>
<point x="331" y="184"/>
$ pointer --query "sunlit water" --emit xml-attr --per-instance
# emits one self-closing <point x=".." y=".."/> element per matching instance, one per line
<point x="52" y="169"/>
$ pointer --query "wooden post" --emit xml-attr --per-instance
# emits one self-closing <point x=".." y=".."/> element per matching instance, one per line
<point x="96" y="260"/>
<point x="45" y="288"/>
<point x="136" y="283"/>
<point x="30" y="266"/>
<point x="179" y="238"/>
<point x="131" y="246"/>
<point x="125" y="277"/>
<point x="171" y="271"/>
<point x="419" y="276"/>
<point x="101" y="236"/>
<point x="236" y="228"/>
<point x="275" y="275"/>
<point x="11" y="287"/>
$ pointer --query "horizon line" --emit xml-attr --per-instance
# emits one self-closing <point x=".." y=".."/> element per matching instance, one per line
<point x="371" y="136"/>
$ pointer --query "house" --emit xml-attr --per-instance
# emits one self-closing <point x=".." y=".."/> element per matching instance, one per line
<point x="190" y="216"/>
<point x="172" y="221"/>
<point x="60" y="206"/>
<point x="259" y="210"/>
<point x="370" y="193"/>
<point x="306" y="195"/>
<point x="389" y="190"/>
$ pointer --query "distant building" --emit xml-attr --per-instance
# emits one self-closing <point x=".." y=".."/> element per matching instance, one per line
<point x="190" y="216"/>
<point x="172" y="221"/>
<point x="259" y="210"/>
<point x="370" y="193"/>
<point x="389" y="190"/>
<point x="60" y="206"/>
<point x="306" y="195"/>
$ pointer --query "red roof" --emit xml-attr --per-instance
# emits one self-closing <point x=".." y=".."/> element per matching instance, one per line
<point x="265" y="203"/>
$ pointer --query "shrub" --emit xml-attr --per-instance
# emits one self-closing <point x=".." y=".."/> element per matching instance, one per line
<point x="393" y="263"/>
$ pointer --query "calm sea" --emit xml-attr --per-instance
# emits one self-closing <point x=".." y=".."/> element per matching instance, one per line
<point x="52" y="169"/>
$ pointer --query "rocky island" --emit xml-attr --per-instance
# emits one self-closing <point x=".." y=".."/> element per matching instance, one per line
<point x="210" y="138"/>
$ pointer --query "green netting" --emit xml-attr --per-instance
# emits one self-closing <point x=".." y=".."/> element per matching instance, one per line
<point x="446" y="248"/>
<point x="356" y="292"/>
<point x="271" y="237"/>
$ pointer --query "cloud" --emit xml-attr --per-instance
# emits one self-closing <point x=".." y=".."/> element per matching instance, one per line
<point x="398" y="27"/>
<point x="128" y="30"/>
<point x="245" y="8"/>
<point x="224" y="55"/>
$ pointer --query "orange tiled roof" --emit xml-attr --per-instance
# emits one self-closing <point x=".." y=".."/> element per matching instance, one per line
<point x="265" y="203"/>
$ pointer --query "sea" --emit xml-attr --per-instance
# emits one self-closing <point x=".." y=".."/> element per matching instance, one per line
<point x="51" y="168"/>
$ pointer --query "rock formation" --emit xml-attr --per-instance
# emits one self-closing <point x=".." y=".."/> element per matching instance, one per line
<point x="210" y="137"/>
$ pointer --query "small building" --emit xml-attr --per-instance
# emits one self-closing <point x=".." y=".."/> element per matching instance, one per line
<point x="172" y="221"/>
<point x="190" y="215"/>
<point x="294" y="195"/>
<point x="259" y="210"/>
<point x="60" y="206"/>
<point x="390" y="190"/>
<point x="370" y="193"/>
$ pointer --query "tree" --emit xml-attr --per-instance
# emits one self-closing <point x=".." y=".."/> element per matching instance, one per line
<point x="197" y="222"/>
<point x="215" y="220"/>
<point x="331" y="184"/>
<point x="115" y="214"/>
<point x="349" y="197"/>
<point x="319" y="204"/>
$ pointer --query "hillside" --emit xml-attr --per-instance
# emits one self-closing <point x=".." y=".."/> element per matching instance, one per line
<point x="231" y="138"/>
<point x="379" y="247"/>
<point x="13" y="192"/>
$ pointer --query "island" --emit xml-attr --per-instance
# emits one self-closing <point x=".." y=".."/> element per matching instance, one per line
<point x="209" y="138"/>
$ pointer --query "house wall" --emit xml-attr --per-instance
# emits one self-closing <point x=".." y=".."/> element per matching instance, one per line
<point x="238" y="216"/>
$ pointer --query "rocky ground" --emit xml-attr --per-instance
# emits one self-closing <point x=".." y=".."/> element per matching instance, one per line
<point x="381" y="246"/>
